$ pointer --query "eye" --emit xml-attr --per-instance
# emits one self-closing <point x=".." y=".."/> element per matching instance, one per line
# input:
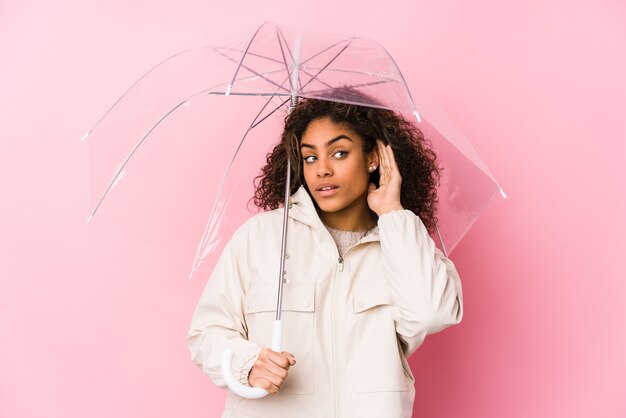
<point x="308" y="159"/>
<point x="343" y="152"/>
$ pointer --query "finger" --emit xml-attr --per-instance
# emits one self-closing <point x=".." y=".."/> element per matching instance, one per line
<point x="381" y="153"/>
<point x="371" y="188"/>
<point x="279" y="359"/>
<point x="385" y="173"/>
<point x="274" y="377"/>
<point x="392" y="159"/>
<point x="270" y="372"/>
<point x="276" y="370"/>
<point x="267" y="385"/>
<point x="391" y="169"/>
<point x="290" y="357"/>
<point x="385" y="153"/>
<point x="264" y="353"/>
<point x="262" y="366"/>
<point x="381" y="157"/>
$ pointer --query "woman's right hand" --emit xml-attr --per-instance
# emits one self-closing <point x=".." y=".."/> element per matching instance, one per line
<point x="270" y="370"/>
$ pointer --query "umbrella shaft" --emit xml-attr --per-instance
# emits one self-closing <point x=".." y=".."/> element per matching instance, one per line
<point x="283" y="245"/>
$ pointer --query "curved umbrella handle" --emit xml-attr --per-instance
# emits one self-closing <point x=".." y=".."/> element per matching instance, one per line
<point x="227" y="371"/>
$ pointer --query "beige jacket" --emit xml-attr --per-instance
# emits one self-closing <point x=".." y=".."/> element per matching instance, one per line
<point x="351" y="322"/>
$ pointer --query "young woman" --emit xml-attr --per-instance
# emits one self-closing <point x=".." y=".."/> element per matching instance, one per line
<point x="364" y="284"/>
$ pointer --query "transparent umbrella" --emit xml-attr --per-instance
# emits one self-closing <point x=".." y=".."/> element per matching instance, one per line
<point x="174" y="158"/>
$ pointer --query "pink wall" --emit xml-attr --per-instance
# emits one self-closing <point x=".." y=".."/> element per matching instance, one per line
<point x="93" y="323"/>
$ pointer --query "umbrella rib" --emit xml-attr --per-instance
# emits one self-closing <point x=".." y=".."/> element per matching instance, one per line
<point x="281" y="35"/>
<point x="271" y="113"/>
<point x="282" y="51"/>
<point x="343" y="70"/>
<point x="327" y="64"/>
<point x="281" y="86"/>
<point x="386" y="79"/>
<point x="149" y="72"/>
<point x="243" y="56"/>
<point x="165" y="116"/>
<point x="275" y="60"/>
<point x="207" y="231"/>
<point x="223" y="93"/>
<point x="130" y="155"/>
<point x="328" y="48"/>
<point x="308" y="59"/>
<point x="399" y="73"/>
<point x="254" y="54"/>
<point x="473" y="220"/>
<point x="248" y="77"/>
<point x="314" y="92"/>
<point x="280" y="62"/>
<point x="134" y="84"/>
<point x="249" y="69"/>
<point x="371" y="83"/>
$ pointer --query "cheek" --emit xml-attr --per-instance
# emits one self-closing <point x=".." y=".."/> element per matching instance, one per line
<point x="363" y="183"/>
<point x="360" y="174"/>
<point x="308" y="175"/>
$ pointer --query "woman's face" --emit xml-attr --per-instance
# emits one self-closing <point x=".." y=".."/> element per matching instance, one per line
<point x="335" y="167"/>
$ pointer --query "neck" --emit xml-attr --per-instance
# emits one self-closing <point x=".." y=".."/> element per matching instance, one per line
<point x="356" y="217"/>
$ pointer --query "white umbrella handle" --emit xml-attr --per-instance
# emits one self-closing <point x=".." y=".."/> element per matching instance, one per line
<point x="227" y="370"/>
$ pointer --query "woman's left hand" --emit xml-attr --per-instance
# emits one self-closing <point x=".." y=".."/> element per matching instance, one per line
<point x="386" y="197"/>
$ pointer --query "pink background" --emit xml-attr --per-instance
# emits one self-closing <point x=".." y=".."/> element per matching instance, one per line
<point x="93" y="323"/>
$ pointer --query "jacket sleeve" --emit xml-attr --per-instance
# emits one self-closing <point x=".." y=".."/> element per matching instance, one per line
<point x="218" y="322"/>
<point x="425" y="286"/>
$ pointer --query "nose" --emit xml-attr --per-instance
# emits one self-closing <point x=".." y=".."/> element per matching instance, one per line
<point x="323" y="168"/>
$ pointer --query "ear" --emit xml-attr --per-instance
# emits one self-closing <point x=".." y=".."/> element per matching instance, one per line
<point x="373" y="158"/>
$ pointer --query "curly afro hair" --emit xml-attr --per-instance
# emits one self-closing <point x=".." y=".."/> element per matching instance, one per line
<point x="416" y="160"/>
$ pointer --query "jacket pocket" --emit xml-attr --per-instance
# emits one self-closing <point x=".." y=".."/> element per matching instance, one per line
<point x="298" y="308"/>
<point x="379" y="359"/>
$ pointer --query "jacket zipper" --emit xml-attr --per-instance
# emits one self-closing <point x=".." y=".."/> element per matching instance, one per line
<point x="335" y="343"/>
<point x="335" y="334"/>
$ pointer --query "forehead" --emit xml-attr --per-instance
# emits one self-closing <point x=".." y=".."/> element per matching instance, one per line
<point x="320" y="131"/>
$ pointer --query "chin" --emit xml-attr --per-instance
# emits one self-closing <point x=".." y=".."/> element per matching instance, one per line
<point x="334" y="205"/>
<point x="325" y="205"/>
<point x="330" y="208"/>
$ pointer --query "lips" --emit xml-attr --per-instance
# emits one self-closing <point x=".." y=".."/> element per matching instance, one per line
<point x="326" y="189"/>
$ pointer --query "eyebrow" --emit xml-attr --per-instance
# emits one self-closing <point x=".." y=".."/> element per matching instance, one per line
<point x="328" y="143"/>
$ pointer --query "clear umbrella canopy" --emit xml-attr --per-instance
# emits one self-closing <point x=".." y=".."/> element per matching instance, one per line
<point x="173" y="160"/>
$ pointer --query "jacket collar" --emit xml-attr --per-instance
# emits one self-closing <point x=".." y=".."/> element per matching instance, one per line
<point x="303" y="210"/>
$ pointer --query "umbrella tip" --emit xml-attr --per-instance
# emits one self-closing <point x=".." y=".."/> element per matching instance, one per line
<point x="502" y="193"/>
<point x="228" y="89"/>
<point x="417" y="116"/>
<point x="193" y="269"/>
<point x="90" y="218"/>
<point x="84" y="138"/>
